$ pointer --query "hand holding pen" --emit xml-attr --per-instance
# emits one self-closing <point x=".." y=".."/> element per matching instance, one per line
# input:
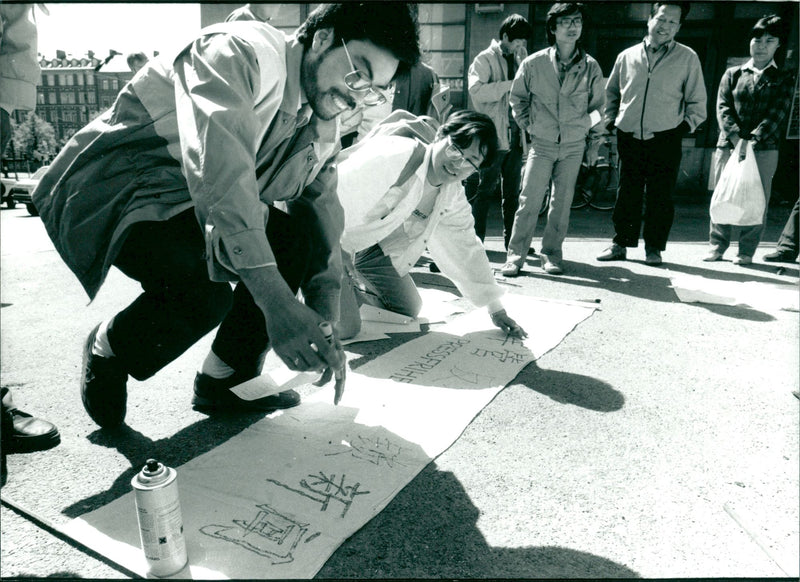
<point x="339" y="373"/>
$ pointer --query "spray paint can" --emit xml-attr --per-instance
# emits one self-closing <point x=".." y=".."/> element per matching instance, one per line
<point x="160" y="523"/>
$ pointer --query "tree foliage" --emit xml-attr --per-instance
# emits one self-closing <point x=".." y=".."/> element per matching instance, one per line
<point x="35" y="139"/>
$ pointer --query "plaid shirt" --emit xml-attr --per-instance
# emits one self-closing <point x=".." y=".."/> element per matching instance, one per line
<point x="753" y="109"/>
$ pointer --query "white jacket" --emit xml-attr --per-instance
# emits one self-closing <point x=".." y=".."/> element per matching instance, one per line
<point x="375" y="206"/>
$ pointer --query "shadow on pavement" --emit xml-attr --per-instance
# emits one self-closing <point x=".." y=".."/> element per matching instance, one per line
<point x="180" y="448"/>
<point x="430" y="529"/>
<point x="617" y="279"/>
<point x="568" y="388"/>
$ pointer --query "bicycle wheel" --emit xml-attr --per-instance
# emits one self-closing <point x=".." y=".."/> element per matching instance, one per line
<point x="605" y="193"/>
<point x="583" y="188"/>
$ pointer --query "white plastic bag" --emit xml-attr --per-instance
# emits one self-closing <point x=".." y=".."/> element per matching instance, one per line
<point x="738" y="198"/>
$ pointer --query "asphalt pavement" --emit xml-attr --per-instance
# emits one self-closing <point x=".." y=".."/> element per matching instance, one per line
<point x="659" y="439"/>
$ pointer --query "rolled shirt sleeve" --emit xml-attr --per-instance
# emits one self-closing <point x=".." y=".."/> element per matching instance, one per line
<point x="218" y="83"/>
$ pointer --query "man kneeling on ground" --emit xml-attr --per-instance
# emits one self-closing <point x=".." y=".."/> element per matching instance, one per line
<point x="401" y="192"/>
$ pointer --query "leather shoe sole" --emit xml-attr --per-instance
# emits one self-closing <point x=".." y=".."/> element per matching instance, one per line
<point x="653" y="259"/>
<point x="214" y="395"/>
<point x="104" y="389"/>
<point x="780" y="257"/>
<point x="30" y="434"/>
<point x="612" y="254"/>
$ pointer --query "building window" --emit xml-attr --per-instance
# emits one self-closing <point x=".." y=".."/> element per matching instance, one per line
<point x="51" y="98"/>
<point x="115" y="84"/>
<point x="51" y="80"/>
<point x="105" y="85"/>
<point x="40" y="99"/>
<point x="90" y="79"/>
<point x="442" y="36"/>
<point x="79" y="80"/>
<point x="90" y="98"/>
<point x="66" y="80"/>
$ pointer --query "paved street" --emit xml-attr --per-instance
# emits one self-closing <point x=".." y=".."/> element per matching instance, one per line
<point x="659" y="439"/>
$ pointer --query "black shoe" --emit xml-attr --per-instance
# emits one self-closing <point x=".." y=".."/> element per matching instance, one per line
<point x="28" y="433"/>
<point x="613" y="253"/>
<point x="780" y="257"/>
<point x="104" y="388"/>
<point x="214" y="394"/>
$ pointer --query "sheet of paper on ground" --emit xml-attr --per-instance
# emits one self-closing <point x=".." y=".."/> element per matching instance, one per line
<point x="768" y="297"/>
<point x="277" y="500"/>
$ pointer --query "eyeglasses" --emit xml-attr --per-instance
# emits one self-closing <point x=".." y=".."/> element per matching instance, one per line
<point x="455" y="153"/>
<point x="567" y="22"/>
<point x="358" y="81"/>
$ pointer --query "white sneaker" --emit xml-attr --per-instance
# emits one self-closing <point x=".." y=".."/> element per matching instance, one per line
<point x="743" y="260"/>
<point x="713" y="255"/>
<point x="552" y="268"/>
<point x="509" y="270"/>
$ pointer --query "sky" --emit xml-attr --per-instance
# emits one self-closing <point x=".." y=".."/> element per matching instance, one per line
<point x="128" y="27"/>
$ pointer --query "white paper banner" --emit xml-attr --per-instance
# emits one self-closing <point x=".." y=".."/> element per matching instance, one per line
<point x="277" y="500"/>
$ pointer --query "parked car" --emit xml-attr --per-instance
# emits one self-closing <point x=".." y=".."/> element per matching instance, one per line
<point x="22" y="190"/>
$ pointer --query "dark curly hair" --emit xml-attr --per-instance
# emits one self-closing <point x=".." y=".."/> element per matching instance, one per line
<point x="389" y="25"/>
<point x="466" y="126"/>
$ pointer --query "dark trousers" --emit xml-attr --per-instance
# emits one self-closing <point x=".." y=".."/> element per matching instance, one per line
<point x="180" y="304"/>
<point x="787" y="242"/>
<point x="480" y="190"/>
<point x="648" y="171"/>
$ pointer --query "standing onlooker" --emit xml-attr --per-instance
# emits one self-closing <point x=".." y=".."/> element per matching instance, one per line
<point x="490" y="77"/>
<point x="557" y="97"/>
<point x="654" y="96"/>
<point x="19" y="75"/>
<point x="752" y="104"/>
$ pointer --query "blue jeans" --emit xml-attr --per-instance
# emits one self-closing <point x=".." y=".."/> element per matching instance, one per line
<point x="547" y="161"/>
<point x="749" y="236"/>
<point x="375" y="282"/>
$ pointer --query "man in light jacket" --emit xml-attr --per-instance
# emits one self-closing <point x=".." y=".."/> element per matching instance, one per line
<point x="557" y="98"/>
<point x="401" y="192"/>
<point x="654" y="96"/>
<point x="490" y="77"/>
<point x="212" y="168"/>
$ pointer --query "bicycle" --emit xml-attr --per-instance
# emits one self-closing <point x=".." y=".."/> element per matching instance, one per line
<point x="596" y="186"/>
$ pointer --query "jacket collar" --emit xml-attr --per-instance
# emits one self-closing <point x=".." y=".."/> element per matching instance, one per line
<point x="750" y="66"/>
<point x="579" y="59"/>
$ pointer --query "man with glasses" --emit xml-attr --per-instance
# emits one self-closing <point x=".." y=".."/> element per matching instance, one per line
<point x="401" y="192"/>
<point x="654" y="96"/>
<point x="557" y="98"/>
<point x="217" y="167"/>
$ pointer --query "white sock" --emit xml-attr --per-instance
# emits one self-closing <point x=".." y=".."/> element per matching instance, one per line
<point x="216" y="368"/>
<point x="101" y="346"/>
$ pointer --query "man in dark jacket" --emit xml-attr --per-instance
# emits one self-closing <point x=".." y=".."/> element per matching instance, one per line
<point x="214" y="168"/>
